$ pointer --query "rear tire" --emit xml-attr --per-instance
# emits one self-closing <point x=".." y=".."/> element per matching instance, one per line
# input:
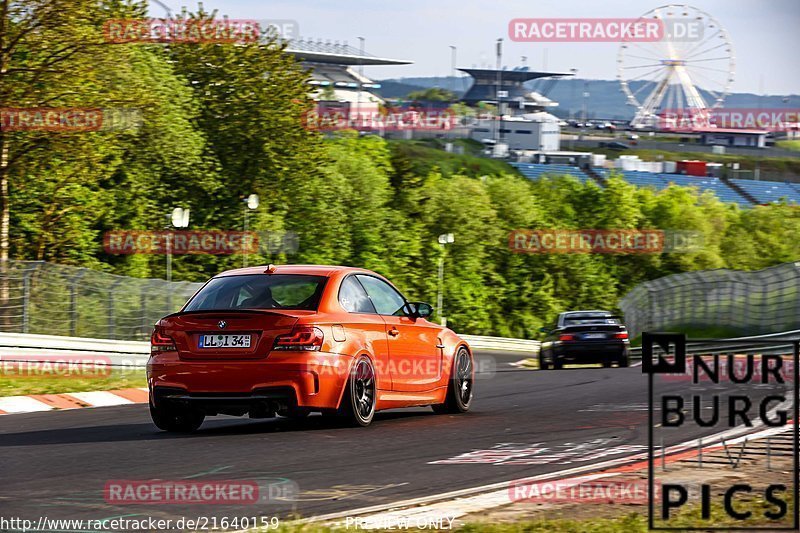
<point x="543" y="364"/>
<point x="176" y="420"/>
<point x="360" y="395"/>
<point x="624" y="362"/>
<point x="458" y="397"/>
<point x="557" y="364"/>
<point x="607" y="364"/>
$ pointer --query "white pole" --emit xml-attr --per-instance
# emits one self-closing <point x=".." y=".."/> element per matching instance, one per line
<point x="169" y="248"/>
<point x="244" y="252"/>
<point x="169" y="256"/>
<point x="440" y="295"/>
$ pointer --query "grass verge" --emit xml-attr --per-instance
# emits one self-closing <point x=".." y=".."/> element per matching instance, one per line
<point x="789" y="145"/>
<point x="118" y="378"/>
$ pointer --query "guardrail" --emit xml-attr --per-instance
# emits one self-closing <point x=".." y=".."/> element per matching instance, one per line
<point x="78" y="344"/>
<point x="502" y="343"/>
<point x="740" y="344"/>
<point x="116" y="353"/>
<point x="135" y="353"/>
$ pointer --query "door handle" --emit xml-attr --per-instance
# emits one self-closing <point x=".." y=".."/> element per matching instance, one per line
<point x="394" y="332"/>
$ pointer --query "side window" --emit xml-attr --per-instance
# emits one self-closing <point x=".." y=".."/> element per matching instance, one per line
<point x="353" y="298"/>
<point x="384" y="297"/>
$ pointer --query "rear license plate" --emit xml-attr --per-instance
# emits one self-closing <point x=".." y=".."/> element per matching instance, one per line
<point x="594" y="336"/>
<point x="224" y="341"/>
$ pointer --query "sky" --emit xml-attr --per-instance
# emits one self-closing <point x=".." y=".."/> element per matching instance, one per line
<point x="764" y="33"/>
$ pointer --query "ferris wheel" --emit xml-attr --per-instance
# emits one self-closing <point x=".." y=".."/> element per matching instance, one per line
<point x="693" y="74"/>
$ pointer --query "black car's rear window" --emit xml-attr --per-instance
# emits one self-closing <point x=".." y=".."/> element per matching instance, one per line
<point x="259" y="291"/>
<point x="579" y="320"/>
<point x="584" y="321"/>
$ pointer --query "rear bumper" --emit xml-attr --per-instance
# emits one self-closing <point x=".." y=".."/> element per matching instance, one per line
<point x="294" y="379"/>
<point x="590" y="352"/>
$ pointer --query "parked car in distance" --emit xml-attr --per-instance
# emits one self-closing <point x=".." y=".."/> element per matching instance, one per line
<point x="584" y="337"/>
<point x="294" y="339"/>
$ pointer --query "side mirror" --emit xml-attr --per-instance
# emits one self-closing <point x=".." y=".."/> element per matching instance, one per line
<point x="420" y="310"/>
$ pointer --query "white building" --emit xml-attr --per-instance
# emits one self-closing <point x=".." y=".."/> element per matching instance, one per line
<point x="532" y="131"/>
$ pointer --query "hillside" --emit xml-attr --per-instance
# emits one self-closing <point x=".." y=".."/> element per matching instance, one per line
<point x="606" y="99"/>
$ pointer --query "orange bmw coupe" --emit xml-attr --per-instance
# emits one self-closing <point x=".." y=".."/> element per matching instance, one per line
<point x="295" y="339"/>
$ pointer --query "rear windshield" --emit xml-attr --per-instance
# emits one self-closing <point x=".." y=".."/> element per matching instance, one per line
<point x="259" y="291"/>
<point x="587" y="319"/>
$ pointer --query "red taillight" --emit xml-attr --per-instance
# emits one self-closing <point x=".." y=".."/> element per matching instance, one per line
<point x="566" y="337"/>
<point x="620" y="335"/>
<point x="301" y="338"/>
<point x="161" y="342"/>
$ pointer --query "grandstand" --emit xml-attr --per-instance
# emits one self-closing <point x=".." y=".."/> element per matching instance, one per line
<point x="535" y="171"/>
<point x="715" y="185"/>
<point x="336" y="67"/>
<point x="763" y="191"/>
<point x="644" y="179"/>
<point x="662" y="181"/>
<point x="766" y="192"/>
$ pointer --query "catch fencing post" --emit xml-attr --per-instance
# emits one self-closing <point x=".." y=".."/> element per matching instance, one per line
<point x="73" y="303"/>
<point x="111" y="322"/>
<point x="143" y="294"/>
<point x="26" y="296"/>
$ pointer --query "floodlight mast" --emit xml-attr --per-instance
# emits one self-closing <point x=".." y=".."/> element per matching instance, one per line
<point x="179" y="219"/>
<point x="250" y="204"/>
<point x="444" y="240"/>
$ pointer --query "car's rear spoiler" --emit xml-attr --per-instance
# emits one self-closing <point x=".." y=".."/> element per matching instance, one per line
<point x="274" y="312"/>
<point x="594" y="317"/>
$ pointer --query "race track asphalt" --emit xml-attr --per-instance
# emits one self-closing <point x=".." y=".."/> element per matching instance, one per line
<point x="522" y="423"/>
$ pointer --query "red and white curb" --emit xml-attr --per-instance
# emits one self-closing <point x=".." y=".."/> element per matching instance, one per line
<point x="70" y="400"/>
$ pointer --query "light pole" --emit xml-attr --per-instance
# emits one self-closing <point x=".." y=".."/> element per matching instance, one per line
<point x="250" y="203"/>
<point x="444" y="240"/>
<point x="572" y="114"/>
<point x="499" y="93"/>
<point x="585" y="106"/>
<point x="179" y="219"/>
<point x="454" y="51"/>
<point x="360" y="73"/>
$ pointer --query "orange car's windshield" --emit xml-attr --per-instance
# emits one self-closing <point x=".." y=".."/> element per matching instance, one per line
<point x="259" y="291"/>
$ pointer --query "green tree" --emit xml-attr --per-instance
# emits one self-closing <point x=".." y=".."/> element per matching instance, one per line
<point x="433" y="94"/>
<point x="252" y="100"/>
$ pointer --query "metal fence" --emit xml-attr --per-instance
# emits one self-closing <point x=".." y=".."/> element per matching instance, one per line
<point x="752" y="303"/>
<point x="44" y="298"/>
